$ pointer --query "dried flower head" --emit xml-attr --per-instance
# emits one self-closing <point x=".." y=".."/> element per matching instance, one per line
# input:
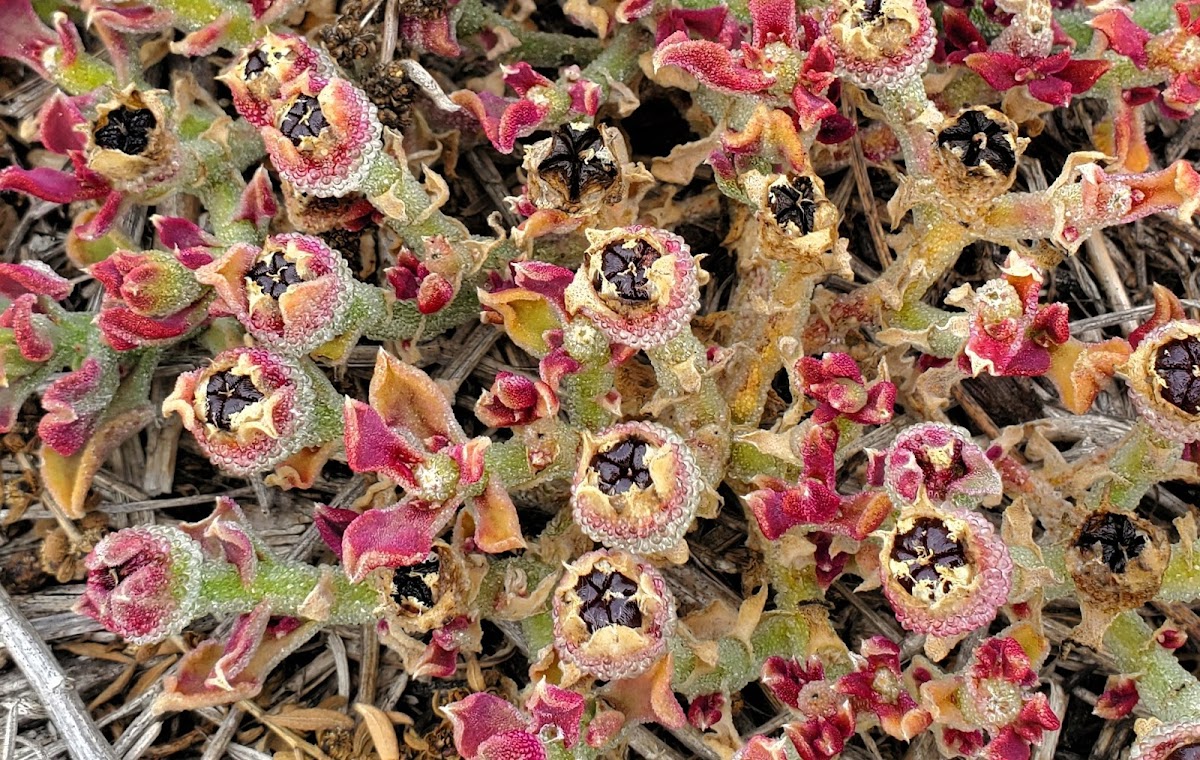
<point x="613" y="614"/>
<point x="324" y="135"/>
<point x="1164" y="379"/>
<point x="638" y="284"/>
<point x="293" y="294"/>
<point x="977" y="155"/>
<point x="798" y="222"/>
<point x="257" y="76"/>
<point x="427" y="594"/>
<point x="132" y="143"/>
<point x="945" y="572"/>
<point x="142" y="583"/>
<point x="1117" y="560"/>
<point x="941" y="462"/>
<point x="577" y="169"/>
<point x="249" y="410"/>
<point x="637" y="487"/>
<point x="880" y="43"/>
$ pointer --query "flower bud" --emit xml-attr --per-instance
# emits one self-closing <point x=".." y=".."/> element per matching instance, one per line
<point x="151" y="283"/>
<point x="516" y="400"/>
<point x="944" y="572"/>
<point x="977" y="155"/>
<point x="1164" y="379"/>
<point x="151" y="297"/>
<point x="836" y="383"/>
<point x="132" y="144"/>
<point x="638" y="284"/>
<point x="877" y="686"/>
<point x="1117" y="560"/>
<point x="142" y="583"/>
<point x="995" y="694"/>
<point x="293" y="294"/>
<point x="257" y="76"/>
<point x="637" y="487"/>
<point x="880" y="43"/>
<point x="324" y="135"/>
<point x="613" y="615"/>
<point x="577" y="169"/>
<point x="249" y="410"/>
<point x="1010" y="334"/>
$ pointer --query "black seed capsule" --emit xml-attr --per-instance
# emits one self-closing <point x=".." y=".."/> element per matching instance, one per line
<point x="256" y="63"/>
<point x="1117" y="539"/>
<point x="625" y="266"/>
<point x="577" y="162"/>
<point x="794" y="203"/>
<point x="608" y="600"/>
<point x="926" y="548"/>
<point x="274" y="275"/>
<point x="622" y="467"/>
<point x="414" y="584"/>
<point x="127" y="130"/>
<point x="978" y="140"/>
<point x="1178" y="364"/>
<point x="227" y="394"/>
<point x="303" y="119"/>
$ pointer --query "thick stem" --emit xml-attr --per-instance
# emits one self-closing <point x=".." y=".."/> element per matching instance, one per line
<point x="1165" y="687"/>
<point x="509" y="461"/>
<point x="1141" y="460"/>
<point x="409" y="210"/>
<point x="287" y="586"/>
<point x="536" y="47"/>
<point x="939" y="242"/>
<point x="405" y="322"/>
<point x="902" y="105"/>
<point x="788" y="301"/>
<point x="581" y="393"/>
<point x="699" y="411"/>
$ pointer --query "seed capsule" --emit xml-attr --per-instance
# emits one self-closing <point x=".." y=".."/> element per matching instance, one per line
<point x="637" y="487"/>
<point x="638" y="284"/>
<point x="1164" y="380"/>
<point x="1117" y="560"/>
<point x="977" y="155"/>
<point x="612" y="615"/>
<point x="945" y="572"/>
<point x="577" y="169"/>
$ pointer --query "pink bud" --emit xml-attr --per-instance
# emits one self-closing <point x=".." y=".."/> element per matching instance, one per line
<point x="142" y="583"/>
<point x="516" y="400"/>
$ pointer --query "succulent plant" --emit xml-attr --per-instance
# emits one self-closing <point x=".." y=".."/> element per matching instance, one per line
<point x="685" y="349"/>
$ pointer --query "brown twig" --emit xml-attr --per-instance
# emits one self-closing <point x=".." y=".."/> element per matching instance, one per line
<point x="866" y="196"/>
